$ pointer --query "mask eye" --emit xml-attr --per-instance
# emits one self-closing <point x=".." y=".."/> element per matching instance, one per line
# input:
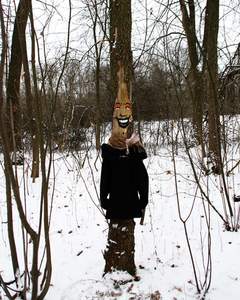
<point x="128" y="106"/>
<point x="117" y="105"/>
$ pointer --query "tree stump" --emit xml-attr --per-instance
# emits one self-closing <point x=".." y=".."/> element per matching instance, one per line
<point x="119" y="253"/>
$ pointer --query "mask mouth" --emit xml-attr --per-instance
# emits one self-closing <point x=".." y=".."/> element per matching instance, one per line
<point x="123" y="122"/>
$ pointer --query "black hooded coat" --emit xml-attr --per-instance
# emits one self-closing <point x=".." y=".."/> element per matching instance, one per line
<point x="124" y="182"/>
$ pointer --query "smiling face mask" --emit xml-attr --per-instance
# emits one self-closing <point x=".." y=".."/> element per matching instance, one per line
<point x="122" y="114"/>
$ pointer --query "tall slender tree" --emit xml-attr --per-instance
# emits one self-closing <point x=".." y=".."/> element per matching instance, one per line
<point x="15" y="68"/>
<point x="211" y="72"/>
<point x="98" y="14"/>
<point x="120" y="251"/>
<point x="195" y="74"/>
<point x="19" y="60"/>
<point x="204" y="72"/>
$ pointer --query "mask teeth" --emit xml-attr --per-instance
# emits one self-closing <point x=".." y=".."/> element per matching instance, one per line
<point x="127" y="150"/>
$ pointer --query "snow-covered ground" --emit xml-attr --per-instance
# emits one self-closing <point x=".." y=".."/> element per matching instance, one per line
<point x="79" y="231"/>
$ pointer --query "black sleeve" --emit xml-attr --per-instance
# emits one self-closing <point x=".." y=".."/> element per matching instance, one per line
<point x="104" y="184"/>
<point x="143" y="184"/>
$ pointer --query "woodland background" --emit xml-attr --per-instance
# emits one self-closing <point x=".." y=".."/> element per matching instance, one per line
<point x="56" y="95"/>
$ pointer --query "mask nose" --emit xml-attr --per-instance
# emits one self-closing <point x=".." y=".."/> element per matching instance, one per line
<point x="122" y="111"/>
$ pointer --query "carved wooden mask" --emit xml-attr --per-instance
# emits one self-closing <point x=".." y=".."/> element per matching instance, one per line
<point x="122" y="114"/>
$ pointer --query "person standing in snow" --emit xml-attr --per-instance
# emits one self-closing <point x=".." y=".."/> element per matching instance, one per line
<point x="124" y="184"/>
<point x="124" y="179"/>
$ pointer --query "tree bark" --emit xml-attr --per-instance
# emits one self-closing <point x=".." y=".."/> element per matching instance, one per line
<point x="13" y="82"/>
<point x="11" y="236"/>
<point x="29" y="101"/>
<point x="120" y="43"/>
<point x="119" y="254"/>
<point x="211" y="70"/>
<point x="195" y="75"/>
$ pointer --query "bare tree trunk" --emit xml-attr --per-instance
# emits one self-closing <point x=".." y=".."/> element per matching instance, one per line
<point x="211" y="70"/>
<point x="98" y="112"/>
<point x="13" y="191"/>
<point x="120" y="43"/>
<point x="35" y="131"/>
<point x="195" y="76"/>
<point x="97" y="75"/>
<point x="11" y="237"/>
<point x="119" y="254"/>
<point x="29" y="101"/>
<point x="13" y="82"/>
<point x="94" y="8"/>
